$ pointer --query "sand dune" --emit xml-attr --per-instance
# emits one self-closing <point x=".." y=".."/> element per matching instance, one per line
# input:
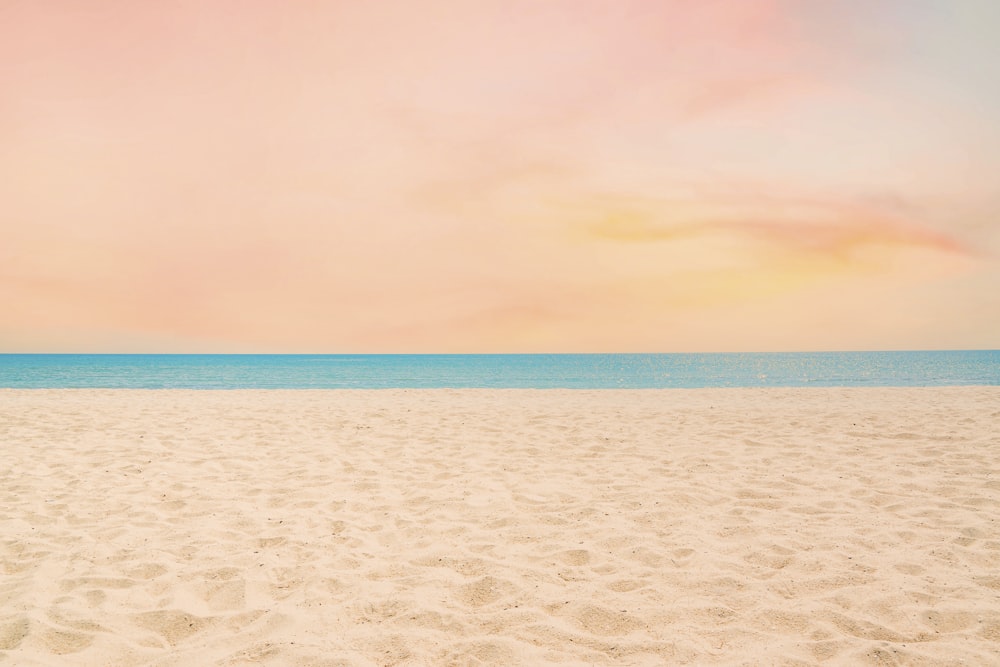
<point x="437" y="527"/>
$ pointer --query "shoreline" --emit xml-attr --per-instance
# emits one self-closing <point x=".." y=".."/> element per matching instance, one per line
<point x="500" y="526"/>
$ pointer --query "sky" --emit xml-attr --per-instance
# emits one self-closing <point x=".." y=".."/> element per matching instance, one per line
<point x="499" y="175"/>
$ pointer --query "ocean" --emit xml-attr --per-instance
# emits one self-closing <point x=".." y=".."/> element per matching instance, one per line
<point x="515" y="371"/>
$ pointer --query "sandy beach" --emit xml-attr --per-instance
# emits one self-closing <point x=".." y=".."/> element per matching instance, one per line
<point x="508" y="527"/>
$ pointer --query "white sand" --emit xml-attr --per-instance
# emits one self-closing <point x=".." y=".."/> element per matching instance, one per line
<point x="846" y="526"/>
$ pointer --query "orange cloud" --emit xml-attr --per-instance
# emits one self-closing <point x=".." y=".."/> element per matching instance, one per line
<point x="813" y="229"/>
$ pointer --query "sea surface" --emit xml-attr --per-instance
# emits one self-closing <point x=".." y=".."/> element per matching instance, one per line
<point x="528" y="371"/>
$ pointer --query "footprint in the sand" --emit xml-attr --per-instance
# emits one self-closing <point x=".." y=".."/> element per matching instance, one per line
<point x="54" y="639"/>
<point x="992" y="582"/>
<point x="271" y="542"/>
<point x="95" y="597"/>
<point x="13" y="631"/>
<point x="625" y="585"/>
<point x="948" y="621"/>
<point x="712" y="616"/>
<point x="68" y="622"/>
<point x="864" y="629"/>
<point x="61" y="642"/>
<point x="176" y="626"/>
<point x="647" y="557"/>
<point x="774" y="558"/>
<point x="68" y="585"/>
<point x="259" y="653"/>
<point x="481" y="652"/>
<point x="826" y="649"/>
<point x="598" y="620"/>
<point x="782" y="621"/>
<point x="575" y="557"/>
<point x="146" y="571"/>
<point x="392" y="650"/>
<point x="886" y="654"/>
<point x="222" y="589"/>
<point x="468" y="567"/>
<point x="485" y="591"/>
<point x="991" y="632"/>
<point x="909" y="568"/>
<point x="379" y="611"/>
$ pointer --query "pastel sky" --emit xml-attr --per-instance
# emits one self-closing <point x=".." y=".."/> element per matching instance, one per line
<point x="499" y="175"/>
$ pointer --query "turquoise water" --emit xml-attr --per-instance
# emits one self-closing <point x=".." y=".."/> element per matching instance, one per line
<point x="578" y="371"/>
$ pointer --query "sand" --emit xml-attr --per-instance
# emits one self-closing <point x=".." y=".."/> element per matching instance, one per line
<point x="439" y="527"/>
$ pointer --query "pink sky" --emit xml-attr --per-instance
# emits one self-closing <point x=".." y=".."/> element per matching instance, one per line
<point x="562" y="175"/>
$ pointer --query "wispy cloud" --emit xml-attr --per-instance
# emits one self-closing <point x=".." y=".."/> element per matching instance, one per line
<point x="811" y="228"/>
